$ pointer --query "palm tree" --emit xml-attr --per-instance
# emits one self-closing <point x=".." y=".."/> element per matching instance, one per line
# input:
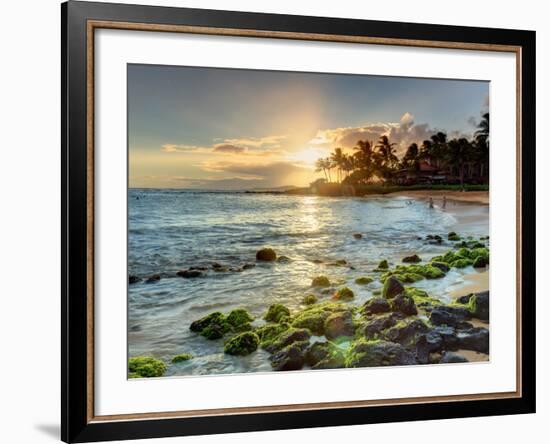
<point x="321" y="166"/>
<point x="482" y="144"/>
<point x="460" y="152"/>
<point x="337" y="158"/>
<point x="410" y="159"/>
<point x="386" y="158"/>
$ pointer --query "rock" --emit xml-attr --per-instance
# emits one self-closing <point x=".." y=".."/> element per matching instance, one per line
<point x="476" y="339"/>
<point x="266" y="254"/>
<point x="450" y="357"/>
<point x="288" y="337"/>
<point x="248" y="266"/>
<point x="404" y="304"/>
<point x="383" y="265"/>
<point x="188" y="274"/>
<point x="339" y="324"/>
<point x="405" y="333"/>
<point x="480" y="262"/>
<point x="479" y="305"/>
<point x="357" y="235"/>
<point x="332" y="361"/>
<point x="181" y="358"/>
<point x="441" y="265"/>
<point x="199" y="268"/>
<point x="448" y="336"/>
<point x="243" y="344"/>
<point x="284" y="259"/>
<point x="320" y="281"/>
<point x="145" y="367"/>
<point x="374" y="328"/>
<point x="412" y="259"/>
<point x="153" y="278"/>
<point x="238" y="318"/>
<point x="461" y="263"/>
<point x="343" y="294"/>
<point x="269" y="333"/>
<point x="464" y="299"/>
<point x="427" y="344"/>
<point x="219" y="270"/>
<point x="449" y="315"/>
<point x="291" y="357"/>
<point x="309" y="299"/>
<point x="133" y="279"/>
<point x="376" y="305"/>
<point x="363" y="280"/>
<point x="452" y="236"/>
<point x="313" y="320"/>
<point x="213" y="318"/>
<point x="316" y="353"/>
<point x="214" y="331"/>
<point x="378" y="353"/>
<point x="392" y="287"/>
<point x="277" y="313"/>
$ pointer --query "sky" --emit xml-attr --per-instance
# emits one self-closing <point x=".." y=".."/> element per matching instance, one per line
<point x="212" y="128"/>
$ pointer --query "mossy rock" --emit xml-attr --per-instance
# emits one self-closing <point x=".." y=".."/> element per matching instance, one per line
<point x="181" y="358"/>
<point x="392" y="287"/>
<point x="238" y="318"/>
<point x="377" y="292"/>
<point x="243" y="344"/>
<point x="146" y="367"/>
<point x="452" y="236"/>
<point x="339" y="324"/>
<point x="383" y="265"/>
<point x="286" y="338"/>
<point x="403" y="303"/>
<point x="412" y="259"/>
<point x="364" y="280"/>
<point x="480" y="262"/>
<point x="376" y="305"/>
<point x="421" y="298"/>
<point x="376" y="353"/>
<point x="344" y="294"/>
<point x="290" y="357"/>
<point x="441" y="265"/>
<point x="213" y="318"/>
<point x="215" y="331"/>
<point x="313" y="320"/>
<point x="320" y="281"/>
<point x="266" y="255"/>
<point x="277" y="313"/>
<point x="461" y="263"/>
<point x="268" y="333"/>
<point x="309" y="299"/>
<point x="284" y="259"/>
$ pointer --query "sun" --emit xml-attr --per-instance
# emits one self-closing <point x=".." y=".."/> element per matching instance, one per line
<point x="307" y="156"/>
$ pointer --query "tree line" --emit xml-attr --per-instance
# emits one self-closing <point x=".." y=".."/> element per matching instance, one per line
<point x="369" y="161"/>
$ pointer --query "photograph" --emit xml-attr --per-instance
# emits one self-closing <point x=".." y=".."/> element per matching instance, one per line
<point x="282" y="220"/>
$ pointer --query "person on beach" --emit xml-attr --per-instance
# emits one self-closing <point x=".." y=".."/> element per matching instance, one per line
<point x="431" y="205"/>
<point x="444" y="202"/>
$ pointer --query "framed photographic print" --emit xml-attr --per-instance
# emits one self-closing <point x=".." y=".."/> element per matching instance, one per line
<point x="276" y="221"/>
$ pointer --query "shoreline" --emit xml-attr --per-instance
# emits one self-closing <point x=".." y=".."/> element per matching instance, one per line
<point x="474" y="197"/>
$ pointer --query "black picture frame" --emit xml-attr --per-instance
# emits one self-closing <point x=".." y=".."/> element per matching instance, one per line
<point x="76" y="423"/>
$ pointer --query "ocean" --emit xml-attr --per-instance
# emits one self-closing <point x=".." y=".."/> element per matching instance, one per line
<point x="170" y="230"/>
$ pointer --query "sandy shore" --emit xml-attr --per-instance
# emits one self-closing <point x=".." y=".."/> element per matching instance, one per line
<point x="479" y="197"/>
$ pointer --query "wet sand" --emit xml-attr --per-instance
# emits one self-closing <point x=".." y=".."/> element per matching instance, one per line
<point x="478" y="197"/>
<point x="473" y="356"/>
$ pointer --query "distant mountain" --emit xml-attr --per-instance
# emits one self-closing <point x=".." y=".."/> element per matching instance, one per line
<point x="281" y="188"/>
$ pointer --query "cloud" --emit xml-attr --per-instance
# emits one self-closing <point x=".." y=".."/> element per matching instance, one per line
<point x="228" y="148"/>
<point x="174" y="148"/>
<point x="257" y="142"/>
<point x="267" y="171"/>
<point x="403" y="133"/>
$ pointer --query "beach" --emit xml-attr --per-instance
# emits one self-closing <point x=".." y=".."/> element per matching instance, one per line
<point x="475" y="197"/>
<point x="203" y="248"/>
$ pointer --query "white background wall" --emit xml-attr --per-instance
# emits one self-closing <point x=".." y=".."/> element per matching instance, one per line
<point x="30" y="208"/>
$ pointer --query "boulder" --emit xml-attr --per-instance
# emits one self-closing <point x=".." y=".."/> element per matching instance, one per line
<point x="376" y="305"/>
<point x="284" y="259"/>
<point x="309" y="299"/>
<point x="383" y="265"/>
<point x="313" y="320"/>
<point x="343" y="294"/>
<point x="188" y="274"/>
<point x="405" y="333"/>
<point x="266" y="255"/>
<point x="291" y="357"/>
<point x="412" y="259"/>
<point x="404" y="304"/>
<point x="450" y="357"/>
<point x="449" y="315"/>
<point x="357" y="235"/>
<point x="392" y="287"/>
<point x="479" y="305"/>
<point x="316" y="353"/>
<point x="427" y="344"/>
<point x="133" y="279"/>
<point x="375" y="327"/>
<point x="476" y="339"/>
<point x="288" y="337"/>
<point x="480" y="262"/>
<point x="277" y="313"/>
<point x="183" y="357"/>
<point x="363" y="280"/>
<point x="248" y="266"/>
<point x="339" y="324"/>
<point x="320" y="281"/>
<point x="242" y="344"/>
<point x="212" y="318"/>
<point x="153" y="278"/>
<point x="378" y="353"/>
<point x="332" y="361"/>
<point x="238" y="318"/>
<point x="145" y="367"/>
<point x="441" y="265"/>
